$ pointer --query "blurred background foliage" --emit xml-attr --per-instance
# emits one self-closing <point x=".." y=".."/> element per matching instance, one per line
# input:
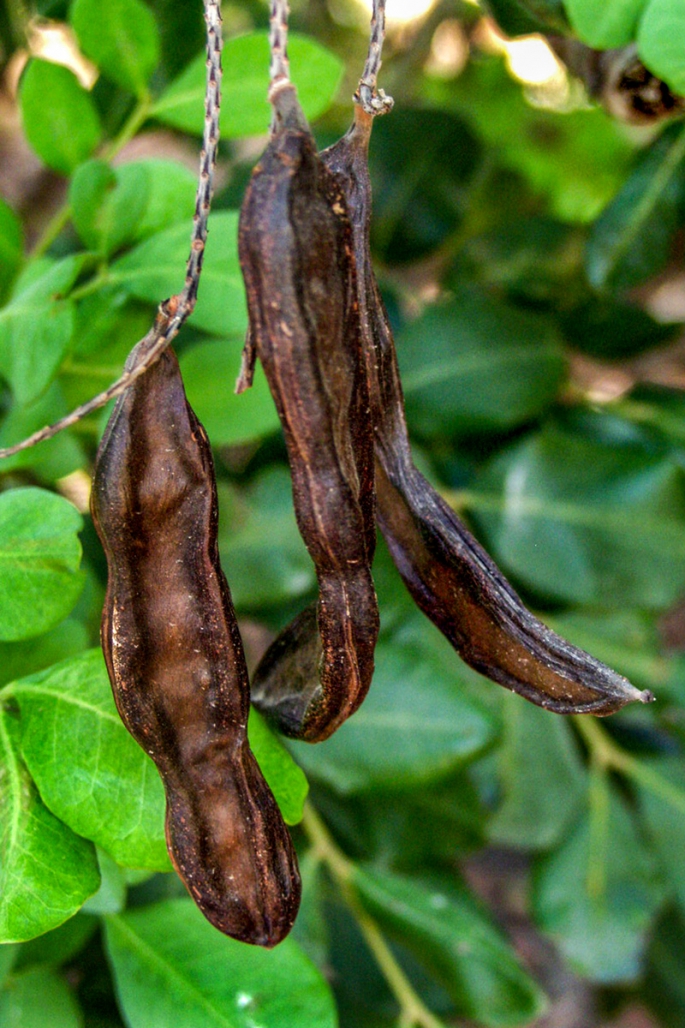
<point x="464" y="852"/>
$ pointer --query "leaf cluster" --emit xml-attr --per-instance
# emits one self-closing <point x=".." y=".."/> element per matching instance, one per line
<point x="538" y="236"/>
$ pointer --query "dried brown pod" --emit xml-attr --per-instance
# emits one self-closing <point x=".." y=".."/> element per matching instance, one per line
<point x="295" y="245"/>
<point x="449" y="575"/>
<point x="619" y="81"/>
<point x="175" y="659"/>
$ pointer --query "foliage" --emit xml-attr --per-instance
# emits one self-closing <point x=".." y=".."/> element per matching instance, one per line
<point x="537" y="234"/>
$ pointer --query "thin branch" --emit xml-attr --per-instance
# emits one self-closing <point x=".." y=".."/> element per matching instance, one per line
<point x="279" y="70"/>
<point x="370" y="99"/>
<point x="413" y="1012"/>
<point x="172" y="313"/>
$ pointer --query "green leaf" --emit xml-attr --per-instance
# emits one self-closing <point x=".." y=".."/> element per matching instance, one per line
<point x="611" y="329"/>
<point x="577" y="162"/>
<point x="542" y="778"/>
<point x="103" y="317"/>
<point x="46" y="872"/>
<point x="390" y="829"/>
<point x="60" y="119"/>
<point x="107" y="207"/>
<point x="155" y="270"/>
<point x="36" y="327"/>
<point x="534" y="260"/>
<point x="473" y="364"/>
<point x="209" y="373"/>
<point x="416" y="725"/>
<point x="36" y="998"/>
<point x="8" y="955"/>
<point x="664" y="985"/>
<point x="598" y="893"/>
<point x="445" y="930"/>
<point x="39" y="561"/>
<point x="170" y="194"/>
<point x="263" y="553"/>
<point x="661" y="408"/>
<point x="285" y="779"/>
<point x="661" y="792"/>
<point x="611" y="23"/>
<point x="88" y="769"/>
<point x="18" y="659"/>
<point x="172" y="967"/>
<point x="121" y="37"/>
<point x="659" y="39"/>
<point x="11" y="246"/>
<point x="586" y="521"/>
<point x="631" y="240"/>
<point x="521" y="17"/>
<point x="422" y="162"/>
<point x="311" y="929"/>
<point x="111" y="896"/>
<point x="52" y="459"/>
<point x="316" y="71"/>
<point x="60" y="945"/>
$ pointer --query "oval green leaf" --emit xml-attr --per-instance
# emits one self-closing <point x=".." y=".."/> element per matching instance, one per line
<point x="38" y="997"/>
<point x="107" y="207"/>
<point x="536" y="806"/>
<point x="473" y="364"/>
<point x="172" y="967"/>
<point x="660" y="41"/>
<point x="286" y="780"/>
<point x="610" y="23"/>
<point x="121" y="37"/>
<point x="36" y="326"/>
<point x="154" y="271"/>
<point x="11" y="246"/>
<point x="60" y="119"/>
<point x="88" y="769"/>
<point x="261" y="548"/>
<point x="209" y="372"/>
<point x="446" y="931"/>
<point x="40" y="556"/>
<point x="632" y="239"/>
<point x="597" y="894"/>
<point x="46" y="871"/>
<point x="416" y="725"/>
<point x="316" y="71"/>
<point x="584" y="521"/>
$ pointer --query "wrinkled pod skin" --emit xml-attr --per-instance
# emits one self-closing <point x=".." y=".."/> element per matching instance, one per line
<point x="449" y="575"/>
<point x="175" y="659"/>
<point x="295" y="246"/>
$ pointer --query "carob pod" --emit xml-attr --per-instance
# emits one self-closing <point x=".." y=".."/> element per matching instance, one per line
<point x="176" y="663"/>
<point x="295" y="245"/>
<point x="449" y="575"/>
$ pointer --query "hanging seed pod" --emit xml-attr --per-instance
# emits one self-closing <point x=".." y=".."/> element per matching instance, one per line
<point x="175" y="659"/>
<point x="295" y="245"/>
<point x="449" y="575"/>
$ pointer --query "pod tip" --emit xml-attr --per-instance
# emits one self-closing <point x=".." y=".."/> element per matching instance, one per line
<point x="647" y="696"/>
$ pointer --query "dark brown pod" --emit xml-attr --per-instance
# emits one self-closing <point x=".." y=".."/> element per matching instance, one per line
<point x="295" y="245"/>
<point x="619" y="81"/>
<point x="449" y="575"/>
<point x="175" y="659"/>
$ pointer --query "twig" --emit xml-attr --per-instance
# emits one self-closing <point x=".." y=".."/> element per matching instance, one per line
<point x="370" y="99"/>
<point x="171" y="313"/>
<point x="279" y="70"/>
<point x="609" y="756"/>
<point x="413" y="1011"/>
